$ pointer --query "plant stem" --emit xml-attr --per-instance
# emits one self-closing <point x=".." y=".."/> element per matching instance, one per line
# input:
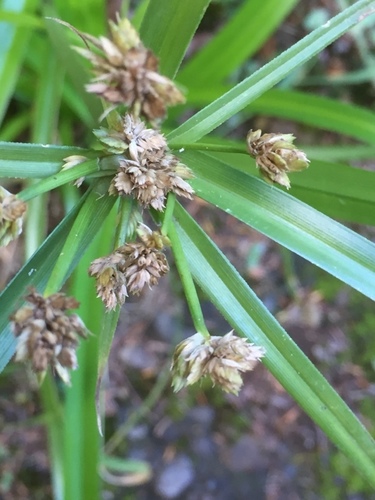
<point x="187" y="283"/>
<point x="168" y="214"/>
<point x="124" y="226"/>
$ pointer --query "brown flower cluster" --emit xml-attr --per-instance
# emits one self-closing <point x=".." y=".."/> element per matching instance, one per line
<point x="46" y="335"/>
<point x="223" y="359"/>
<point x="147" y="170"/>
<point x="275" y="155"/>
<point x="127" y="73"/>
<point x="11" y="216"/>
<point x="130" y="268"/>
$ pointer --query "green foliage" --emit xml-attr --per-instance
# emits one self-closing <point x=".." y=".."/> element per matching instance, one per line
<point x="224" y="177"/>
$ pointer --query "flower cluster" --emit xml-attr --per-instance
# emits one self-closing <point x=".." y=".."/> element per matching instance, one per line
<point x="127" y="73"/>
<point x="275" y="155"/>
<point x="221" y="358"/>
<point x="130" y="268"/>
<point x="46" y="335"/>
<point x="146" y="168"/>
<point x="11" y="214"/>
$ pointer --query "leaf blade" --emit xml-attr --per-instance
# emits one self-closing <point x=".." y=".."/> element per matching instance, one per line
<point x="288" y="221"/>
<point x="255" y="85"/>
<point x="167" y="28"/>
<point x="240" y="306"/>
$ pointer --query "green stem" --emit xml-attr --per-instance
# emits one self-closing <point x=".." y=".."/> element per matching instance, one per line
<point x="187" y="283"/>
<point x="123" y="226"/>
<point x="168" y="213"/>
<point x="52" y="409"/>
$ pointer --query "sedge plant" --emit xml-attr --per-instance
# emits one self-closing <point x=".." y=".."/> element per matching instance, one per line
<point x="140" y="163"/>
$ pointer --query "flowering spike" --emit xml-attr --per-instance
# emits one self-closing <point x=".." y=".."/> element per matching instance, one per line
<point x="127" y="73"/>
<point x="130" y="268"/>
<point x="147" y="170"/>
<point x="46" y="335"/>
<point x="275" y="155"/>
<point x="223" y="359"/>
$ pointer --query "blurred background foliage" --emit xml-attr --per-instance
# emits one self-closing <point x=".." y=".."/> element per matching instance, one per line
<point x="200" y="444"/>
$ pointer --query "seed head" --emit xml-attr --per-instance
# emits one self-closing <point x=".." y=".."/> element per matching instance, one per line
<point x="223" y="359"/>
<point x="130" y="268"/>
<point x="11" y="216"/>
<point x="127" y="73"/>
<point x="275" y="155"/>
<point x="46" y="335"/>
<point x="147" y="170"/>
<point x="110" y="279"/>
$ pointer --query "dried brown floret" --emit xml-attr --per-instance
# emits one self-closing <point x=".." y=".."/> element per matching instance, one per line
<point x="130" y="268"/>
<point x="46" y="335"/>
<point x="11" y="216"/>
<point x="128" y="73"/>
<point x="147" y="170"/>
<point x="223" y="359"/>
<point x="275" y="155"/>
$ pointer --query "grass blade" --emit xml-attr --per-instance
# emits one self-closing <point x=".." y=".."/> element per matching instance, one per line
<point x="13" y="46"/>
<point x="252" y="87"/>
<point x="244" y="311"/>
<point x="167" y="28"/>
<point x="232" y="45"/>
<point x="314" y="236"/>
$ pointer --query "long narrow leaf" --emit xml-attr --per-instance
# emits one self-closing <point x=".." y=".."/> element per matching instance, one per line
<point x="318" y="111"/>
<point x="335" y="189"/>
<point x="314" y="236"/>
<point x="232" y="45"/>
<point x="59" y="179"/>
<point x="252" y="87"/>
<point x="301" y="107"/>
<point x="13" y="46"/>
<point x="167" y="28"/>
<point x="244" y="311"/>
<point x="34" y="160"/>
<point x="74" y="66"/>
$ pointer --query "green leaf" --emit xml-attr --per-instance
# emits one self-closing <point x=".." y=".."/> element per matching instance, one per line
<point x="47" y="98"/>
<point x="15" y="126"/>
<point x="75" y="67"/>
<point x="86" y="15"/>
<point x="327" y="114"/>
<point x="252" y="87"/>
<point x="167" y="28"/>
<point x="21" y="19"/>
<point x="245" y="312"/>
<point x="35" y="160"/>
<point x="241" y="37"/>
<point x="335" y="189"/>
<point x="288" y="221"/>
<point x="301" y="107"/>
<point x="13" y="47"/>
<point x="92" y="214"/>
<point x="59" y="179"/>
